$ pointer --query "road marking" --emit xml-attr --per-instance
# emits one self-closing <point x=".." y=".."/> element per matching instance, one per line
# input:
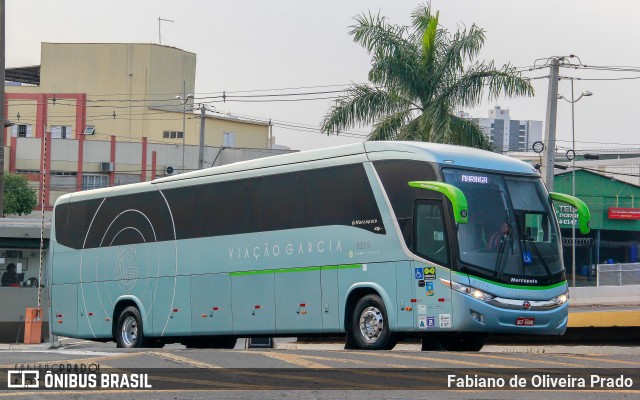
<point x="352" y="361"/>
<point x="290" y="359"/>
<point x="300" y="361"/>
<point x="113" y="356"/>
<point x="183" y="360"/>
<point x="455" y="362"/>
<point x="577" y="357"/>
<point x="523" y="360"/>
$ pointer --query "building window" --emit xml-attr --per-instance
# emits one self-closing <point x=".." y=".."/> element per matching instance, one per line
<point x="229" y="139"/>
<point x="60" y="132"/>
<point x="21" y="131"/>
<point x="172" y="135"/>
<point x="94" y="181"/>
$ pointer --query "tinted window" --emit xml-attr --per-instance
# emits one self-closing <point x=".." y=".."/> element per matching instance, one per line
<point x="286" y="202"/>
<point x="119" y="220"/>
<point x="331" y="196"/>
<point x="343" y="196"/>
<point x="395" y="175"/>
<point x="431" y="235"/>
<point x="224" y="208"/>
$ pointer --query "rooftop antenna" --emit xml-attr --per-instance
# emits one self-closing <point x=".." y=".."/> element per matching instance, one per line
<point x="159" y="21"/>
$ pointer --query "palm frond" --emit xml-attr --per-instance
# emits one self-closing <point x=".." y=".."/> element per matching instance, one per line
<point x="363" y="105"/>
<point x="388" y="127"/>
<point x="468" y="90"/>
<point x="374" y="34"/>
<point x="463" y="47"/>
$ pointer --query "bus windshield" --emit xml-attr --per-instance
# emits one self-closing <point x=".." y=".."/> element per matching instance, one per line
<point x="511" y="235"/>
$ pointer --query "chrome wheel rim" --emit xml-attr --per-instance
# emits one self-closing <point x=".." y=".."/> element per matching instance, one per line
<point x="129" y="331"/>
<point x="371" y="324"/>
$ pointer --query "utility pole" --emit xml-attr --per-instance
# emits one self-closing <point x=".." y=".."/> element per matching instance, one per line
<point x="2" y="116"/>
<point x="548" y="155"/>
<point x="201" y="152"/>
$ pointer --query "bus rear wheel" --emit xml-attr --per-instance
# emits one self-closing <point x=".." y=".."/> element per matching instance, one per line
<point x="129" y="333"/>
<point x="370" y="325"/>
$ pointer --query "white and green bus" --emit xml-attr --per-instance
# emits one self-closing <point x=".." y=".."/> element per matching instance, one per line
<point x="378" y="240"/>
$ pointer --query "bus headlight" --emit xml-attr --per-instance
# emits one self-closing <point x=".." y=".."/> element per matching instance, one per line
<point x="469" y="291"/>
<point x="560" y="300"/>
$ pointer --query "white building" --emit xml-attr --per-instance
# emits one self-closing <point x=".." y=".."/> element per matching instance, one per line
<point x="507" y="134"/>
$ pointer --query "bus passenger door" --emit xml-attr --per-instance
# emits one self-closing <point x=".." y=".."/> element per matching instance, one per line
<point x="433" y="297"/>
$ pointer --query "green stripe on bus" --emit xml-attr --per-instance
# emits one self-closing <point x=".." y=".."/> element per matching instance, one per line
<point x="514" y="286"/>
<point x="295" y="269"/>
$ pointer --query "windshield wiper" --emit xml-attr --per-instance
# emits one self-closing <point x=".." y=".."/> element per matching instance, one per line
<point x="499" y="267"/>
<point x="527" y="238"/>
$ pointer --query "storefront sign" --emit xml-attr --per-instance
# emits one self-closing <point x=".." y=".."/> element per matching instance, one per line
<point x="624" y="213"/>
<point x="566" y="216"/>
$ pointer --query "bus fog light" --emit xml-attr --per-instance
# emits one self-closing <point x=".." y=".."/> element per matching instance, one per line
<point x="477" y="316"/>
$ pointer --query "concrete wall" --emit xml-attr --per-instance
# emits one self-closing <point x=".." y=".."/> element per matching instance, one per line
<point x="604" y="295"/>
<point x="15" y="302"/>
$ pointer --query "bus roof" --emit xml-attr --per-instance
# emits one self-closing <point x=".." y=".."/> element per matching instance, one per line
<point x="375" y="150"/>
<point x="438" y="153"/>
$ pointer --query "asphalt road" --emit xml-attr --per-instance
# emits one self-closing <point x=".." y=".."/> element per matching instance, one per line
<point x="178" y="373"/>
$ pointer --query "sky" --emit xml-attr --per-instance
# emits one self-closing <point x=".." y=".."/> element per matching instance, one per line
<point x="248" y="45"/>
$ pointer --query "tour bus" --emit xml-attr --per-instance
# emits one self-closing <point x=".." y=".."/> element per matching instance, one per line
<point x="378" y="240"/>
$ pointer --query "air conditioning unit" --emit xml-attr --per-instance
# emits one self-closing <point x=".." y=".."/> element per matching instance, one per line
<point x="169" y="171"/>
<point x="106" y="167"/>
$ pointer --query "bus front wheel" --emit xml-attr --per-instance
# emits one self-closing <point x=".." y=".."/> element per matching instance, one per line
<point x="129" y="333"/>
<point x="370" y="325"/>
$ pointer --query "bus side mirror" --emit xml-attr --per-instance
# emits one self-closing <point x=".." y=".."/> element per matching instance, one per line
<point x="455" y="196"/>
<point x="584" y="215"/>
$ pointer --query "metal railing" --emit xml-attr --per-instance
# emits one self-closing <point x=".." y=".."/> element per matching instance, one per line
<point x="618" y="274"/>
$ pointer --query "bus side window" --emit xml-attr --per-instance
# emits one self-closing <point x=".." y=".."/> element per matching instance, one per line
<point x="430" y="232"/>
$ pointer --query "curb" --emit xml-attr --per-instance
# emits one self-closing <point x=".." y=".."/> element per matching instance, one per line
<point x="522" y="349"/>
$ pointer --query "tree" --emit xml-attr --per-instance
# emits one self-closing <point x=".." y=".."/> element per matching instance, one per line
<point x="419" y="77"/>
<point x="19" y="198"/>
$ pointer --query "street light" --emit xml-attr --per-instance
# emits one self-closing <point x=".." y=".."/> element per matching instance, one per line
<point x="184" y="99"/>
<point x="573" y="173"/>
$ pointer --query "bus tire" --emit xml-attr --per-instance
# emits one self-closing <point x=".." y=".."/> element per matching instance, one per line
<point x="463" y="341"/>
<point x="370" y="325"/>
<point x="129" y="333"/>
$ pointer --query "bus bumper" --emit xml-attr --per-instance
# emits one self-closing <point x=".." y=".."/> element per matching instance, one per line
<point x="477" y="316"/>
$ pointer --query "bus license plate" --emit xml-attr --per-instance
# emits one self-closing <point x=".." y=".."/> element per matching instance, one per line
<point x="525" y="321"/>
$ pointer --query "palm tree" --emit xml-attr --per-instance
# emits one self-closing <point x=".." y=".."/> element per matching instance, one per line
<point x="419" y="76"/>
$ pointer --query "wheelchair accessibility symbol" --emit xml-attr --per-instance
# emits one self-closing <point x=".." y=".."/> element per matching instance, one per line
<point x="526" y="257"/>
<point x="419" y="274"/>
